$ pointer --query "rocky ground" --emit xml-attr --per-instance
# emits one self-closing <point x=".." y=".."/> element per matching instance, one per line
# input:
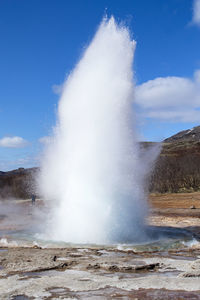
<point x="111" y="272"/>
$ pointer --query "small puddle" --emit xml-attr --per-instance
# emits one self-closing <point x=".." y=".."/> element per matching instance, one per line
<point x="20" y="297"/>
<point x="169" y="273"/>
<point x="57" y="290"/>
<point x="180" y="257"/>
<point x="38" y="274"/>
<point x="123" y="275"/>
<point x="111" y="253"/>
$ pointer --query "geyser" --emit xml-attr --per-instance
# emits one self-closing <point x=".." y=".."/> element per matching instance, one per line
<point x="91" y="168"/>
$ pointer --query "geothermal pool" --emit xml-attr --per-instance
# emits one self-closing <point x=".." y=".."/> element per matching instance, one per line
<point x="165" y="266"/>
<point x="20" y="226"/>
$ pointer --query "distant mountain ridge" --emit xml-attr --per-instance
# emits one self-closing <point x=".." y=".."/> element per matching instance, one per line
<point x="19" y="183"/>
<point x="177" y="168"/>
<point x="185" y="135"/>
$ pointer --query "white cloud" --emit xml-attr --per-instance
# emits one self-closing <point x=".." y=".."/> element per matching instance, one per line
<point x="13" y="142"/>
<point x="57" y="89"/>
<point x="196" y="12"/>
<point x="184" y="116"/>
<point x="170" y="98"/>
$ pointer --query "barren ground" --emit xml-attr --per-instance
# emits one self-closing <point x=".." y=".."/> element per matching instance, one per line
<point x="111" y="272"/>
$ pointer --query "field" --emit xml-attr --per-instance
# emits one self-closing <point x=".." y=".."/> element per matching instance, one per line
<point x="176" y="200"/>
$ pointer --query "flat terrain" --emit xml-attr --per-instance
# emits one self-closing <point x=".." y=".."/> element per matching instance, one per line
<point x="181" y="210"/>
<point x="164" y="269"/>
<point x="178" y="200"/>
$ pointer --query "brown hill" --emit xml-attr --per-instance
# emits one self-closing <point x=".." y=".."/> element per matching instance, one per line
<point x="18" y="183"/>
<point x="190" y="135"/>
<point x="177" y="168"/>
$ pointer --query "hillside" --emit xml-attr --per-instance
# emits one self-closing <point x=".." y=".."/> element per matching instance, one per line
<point x="18" y="183"/>
<point x="190" y="135"/>
<point x="177" y="168"/>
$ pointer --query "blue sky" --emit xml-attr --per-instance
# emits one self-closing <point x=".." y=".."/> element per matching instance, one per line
<point x="41" y="41"/>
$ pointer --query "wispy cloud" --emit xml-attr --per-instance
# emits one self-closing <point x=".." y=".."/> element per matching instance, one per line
<point x="170" y="98"/>
<point x="45" y="140"/>
<point x="13" y="142"/>
<point x="57" y="89"/>
<point x="196" y="12"/>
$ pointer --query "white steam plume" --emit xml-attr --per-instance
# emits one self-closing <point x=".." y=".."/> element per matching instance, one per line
<point x="91" y="169"/>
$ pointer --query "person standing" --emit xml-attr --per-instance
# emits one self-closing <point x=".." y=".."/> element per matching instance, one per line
<point x="33" y="198"/>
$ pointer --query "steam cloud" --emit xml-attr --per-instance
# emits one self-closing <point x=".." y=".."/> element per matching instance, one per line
<point x="91" y="169"/>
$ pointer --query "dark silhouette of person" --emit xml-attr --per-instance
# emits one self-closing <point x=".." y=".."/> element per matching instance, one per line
<point x="33" y="198"/>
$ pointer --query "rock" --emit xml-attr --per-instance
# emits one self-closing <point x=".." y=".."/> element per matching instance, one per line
<point x="96" y="266"/>
<point x="196" y="264"/>
<point x="193" y="271"/>
<point x="192" y="134"/>
<point x="192" y="207"/>
<point x="124" y="267"/>
<point x="113" y="268"/>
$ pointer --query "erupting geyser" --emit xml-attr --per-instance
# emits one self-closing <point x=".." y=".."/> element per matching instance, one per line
<point x="92" y="169"/>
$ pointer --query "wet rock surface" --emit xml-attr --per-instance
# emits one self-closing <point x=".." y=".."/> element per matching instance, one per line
<point x="115" y="272"/>
<point x="193" y="270"/>
<point x="88" y="273"/>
